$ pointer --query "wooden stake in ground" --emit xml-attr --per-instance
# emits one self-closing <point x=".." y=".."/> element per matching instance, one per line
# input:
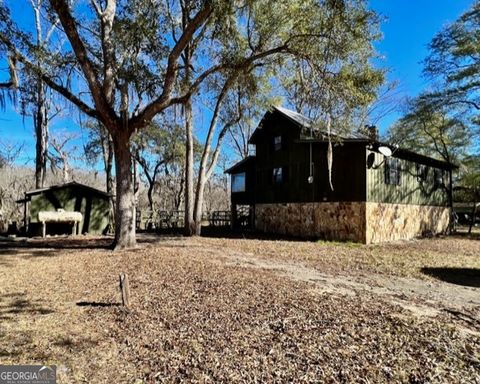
<point x="125" y="290"/>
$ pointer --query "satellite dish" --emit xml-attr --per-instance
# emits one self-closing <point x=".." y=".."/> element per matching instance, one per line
<point x="385" y="151"/>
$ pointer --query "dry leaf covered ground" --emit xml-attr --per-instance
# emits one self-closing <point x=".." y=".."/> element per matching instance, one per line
<point x="244" y="310"/>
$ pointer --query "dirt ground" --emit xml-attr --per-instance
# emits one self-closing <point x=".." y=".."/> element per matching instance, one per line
<point x="244" y="310"/>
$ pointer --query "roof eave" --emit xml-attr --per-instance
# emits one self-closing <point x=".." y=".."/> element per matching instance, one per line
<point x="239" y="163"/>
<point x="71" y="183"/>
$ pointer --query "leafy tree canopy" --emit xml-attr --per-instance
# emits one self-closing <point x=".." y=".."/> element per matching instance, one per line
<point x="432" y="131"/>
<point x="454" y="63"/>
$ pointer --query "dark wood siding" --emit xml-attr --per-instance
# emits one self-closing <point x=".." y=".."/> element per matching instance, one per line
<point x="247" y="197"/>
<point x="354" y="176"/>
<point x="348" y="175"/>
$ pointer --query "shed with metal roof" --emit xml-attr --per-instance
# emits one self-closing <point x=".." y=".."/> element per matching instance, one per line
<point x="92" y="203"/>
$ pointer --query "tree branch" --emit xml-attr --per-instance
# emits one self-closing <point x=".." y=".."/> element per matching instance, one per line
<point x="171" y="73"/>
<point x="52" y="84"/>
<point x="108" y="115"/>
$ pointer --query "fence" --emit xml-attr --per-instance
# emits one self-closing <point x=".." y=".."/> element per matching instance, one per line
<point x="160" y="220"/>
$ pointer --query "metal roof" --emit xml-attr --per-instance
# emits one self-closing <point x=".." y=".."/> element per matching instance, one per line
<point x="305" y="122"/>
<point x="60" y="186"/>
<point x="295" y="116"/>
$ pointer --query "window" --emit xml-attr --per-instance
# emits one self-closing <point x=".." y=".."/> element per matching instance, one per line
<point x="277" y="175"/>
<point x="277" y="143"/>
<point x="238" y="182"/>
<point x="392" y="171"/>
<point x="438" y="178"/>
<point x="422" y="172"/>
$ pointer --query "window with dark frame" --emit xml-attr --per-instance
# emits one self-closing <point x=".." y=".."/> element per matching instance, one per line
<point x="438" y="180"/>
<point x="392" y="171"/>
<point x="422" y="172"/>
<point x="277" y="175"/>
<point x="238" y="182"/>
<point x="277" y="143"/>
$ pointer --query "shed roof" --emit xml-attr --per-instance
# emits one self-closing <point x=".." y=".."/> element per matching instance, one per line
<point x="29" y="194"/>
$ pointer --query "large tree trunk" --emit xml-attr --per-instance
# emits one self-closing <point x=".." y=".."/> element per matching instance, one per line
<point x="107" y="152"/>
<point x="108" y="160"/>
<point x="189" y="194"/>
<point x="40" y="118"/>
<point x="125" y="196"/>
<point x="41" y="132"/>
<point x="202" y="180"/>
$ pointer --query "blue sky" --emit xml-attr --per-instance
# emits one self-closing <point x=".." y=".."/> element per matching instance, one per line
<point x="408" y="27"/>
<point x="407" y="30"/>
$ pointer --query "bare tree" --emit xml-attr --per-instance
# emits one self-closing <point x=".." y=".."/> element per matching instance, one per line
<point x="62" y="155"/>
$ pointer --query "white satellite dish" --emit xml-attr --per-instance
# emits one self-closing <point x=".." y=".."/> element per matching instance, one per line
<point x="385" y="151"/>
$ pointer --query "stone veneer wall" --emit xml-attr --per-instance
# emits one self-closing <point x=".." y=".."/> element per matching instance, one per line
<point x="344" y="221"/>
<point x="386" y="222"/>
<point x="351" y="221"/>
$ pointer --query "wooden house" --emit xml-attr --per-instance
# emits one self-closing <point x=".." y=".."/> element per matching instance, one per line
<point x="380" y="192"/>
<point x="92" y="203"/>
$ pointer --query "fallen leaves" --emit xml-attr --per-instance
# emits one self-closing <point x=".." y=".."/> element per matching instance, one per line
<point x="196" y="318"/>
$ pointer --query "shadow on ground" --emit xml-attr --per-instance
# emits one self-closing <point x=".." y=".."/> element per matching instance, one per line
<point x="228" y="233"/>
<point x="462" y="232"/>
<point x="19" y="340"/>
<point x="14" y="306"/>
<point x="469" y="277"/>
<point x="61" y="242"/>
<point x="15" y="303"/>
<point x="96" y="304"/>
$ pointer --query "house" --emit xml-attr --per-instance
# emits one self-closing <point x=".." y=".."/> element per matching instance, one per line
<point x="92" y="203"/>
<point x="380" y="192"/>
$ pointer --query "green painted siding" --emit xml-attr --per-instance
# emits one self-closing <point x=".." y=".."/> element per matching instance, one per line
<point x="94" y="208"/>
<point x="412" y="189"/>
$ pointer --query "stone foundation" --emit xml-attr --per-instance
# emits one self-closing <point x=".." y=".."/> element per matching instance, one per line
<point x="387" y="222"/>
<point x="343" y="221"/>
<point x="351" y="221"/>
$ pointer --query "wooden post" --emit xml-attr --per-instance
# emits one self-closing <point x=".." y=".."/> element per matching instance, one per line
<point x="125" y="290"/>
<point x="474" y="210"/>
<point x="452" y="225"/>
<point x="25" y="224"/>
<point x="44" y="228"/>
<point x="233" y="224"/>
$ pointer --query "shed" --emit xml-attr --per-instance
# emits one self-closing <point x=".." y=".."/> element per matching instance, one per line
<point x="92" y="203"/>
